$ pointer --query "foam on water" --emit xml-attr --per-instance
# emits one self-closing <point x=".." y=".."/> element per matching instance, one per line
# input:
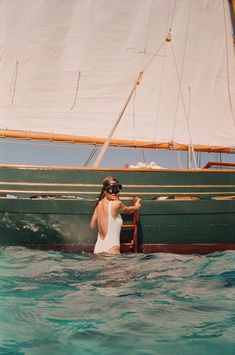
<point x="58" y="303"/>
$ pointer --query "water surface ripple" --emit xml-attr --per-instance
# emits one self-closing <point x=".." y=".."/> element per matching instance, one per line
<point x="162" y="304"/>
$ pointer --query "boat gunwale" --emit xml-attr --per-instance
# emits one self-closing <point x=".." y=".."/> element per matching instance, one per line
<point x="54" y="167"/>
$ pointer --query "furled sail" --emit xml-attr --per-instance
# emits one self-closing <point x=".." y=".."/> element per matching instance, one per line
<point x="68" y="67"/>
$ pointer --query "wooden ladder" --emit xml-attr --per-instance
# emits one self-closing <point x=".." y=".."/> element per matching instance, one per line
<point x="129" y="243"/>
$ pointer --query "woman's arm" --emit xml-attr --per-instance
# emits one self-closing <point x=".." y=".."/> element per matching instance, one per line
<point x="94" y="223"/>
<point x="129" y="209"/>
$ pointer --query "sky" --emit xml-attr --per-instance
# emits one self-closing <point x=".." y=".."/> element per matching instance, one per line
<point x="61" y="154"/>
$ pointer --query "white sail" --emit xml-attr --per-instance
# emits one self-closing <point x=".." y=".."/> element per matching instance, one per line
<point x="67" y="67"/>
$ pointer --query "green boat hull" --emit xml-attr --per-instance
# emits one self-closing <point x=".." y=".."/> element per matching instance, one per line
<point x="182" y="211"/>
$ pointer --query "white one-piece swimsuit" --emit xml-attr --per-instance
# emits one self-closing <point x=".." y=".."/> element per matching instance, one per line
<point x="112" y="237"/>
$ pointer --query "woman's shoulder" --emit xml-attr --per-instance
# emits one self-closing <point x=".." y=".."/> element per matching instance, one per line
<point x="116" y="203"/>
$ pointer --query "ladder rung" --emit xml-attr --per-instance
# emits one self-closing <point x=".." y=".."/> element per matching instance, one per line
<point x="128" y="225"/>
<point x="131" y="244"/>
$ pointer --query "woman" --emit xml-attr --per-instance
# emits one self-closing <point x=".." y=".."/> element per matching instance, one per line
<point x="107" y="219"/>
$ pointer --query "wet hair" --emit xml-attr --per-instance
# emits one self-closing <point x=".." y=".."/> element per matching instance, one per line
<point x="106" y="182"/>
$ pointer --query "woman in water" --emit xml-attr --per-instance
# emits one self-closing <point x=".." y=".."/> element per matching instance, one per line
<point x="107" y="219"/>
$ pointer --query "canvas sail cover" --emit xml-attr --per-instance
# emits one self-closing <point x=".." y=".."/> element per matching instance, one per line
<point x="67" y="67"/>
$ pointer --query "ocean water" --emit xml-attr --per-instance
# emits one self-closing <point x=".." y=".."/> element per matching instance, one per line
<point x="55" y="303"/>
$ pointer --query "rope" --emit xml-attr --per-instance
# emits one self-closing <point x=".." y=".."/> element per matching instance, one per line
<point x="94" y="150"/>
<point x="178" y="157"/>
<point x="13" y="82"/>
<point x="181" y="73"/>
<point x="180" y="93"/>
<point x="142" y="64"/>
<point x="147" y="34"/>
<point x="143" y="155"/>
<point x="161" y="76"/>
<point x="133" y="112"/>
<point x="76" y="92"/>
<point x="192" y="152"/>
<point x="154" y="56"/>
<point x="184" y="107"/>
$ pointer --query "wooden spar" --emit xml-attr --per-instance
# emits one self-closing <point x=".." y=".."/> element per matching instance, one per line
<point x="110" y="136"/>
<point x="125" y="143"/>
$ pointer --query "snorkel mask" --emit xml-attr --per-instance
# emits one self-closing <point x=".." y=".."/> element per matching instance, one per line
<point x="113" y="189"/>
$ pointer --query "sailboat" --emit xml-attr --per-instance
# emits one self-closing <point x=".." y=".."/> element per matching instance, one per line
<point x="153" y="74"/>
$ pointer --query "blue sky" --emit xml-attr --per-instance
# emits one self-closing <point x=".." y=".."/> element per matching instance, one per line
<point x="46" y="153"/>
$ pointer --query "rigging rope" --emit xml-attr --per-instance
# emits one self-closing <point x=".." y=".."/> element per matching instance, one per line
<point x="162" y="73"/>
<point x="173" y="15"/>
<point x="181" y="73"/>
<point x="13" y="82"/>
<point x="76" y="91"/>
<point x="178" y="157"/>
<point x="133" y="112"/>
<point x="94" y="150"/>
<point x="143" y="155"/>
<point x="142" y="64"/>
<point x="147" y="35"/>
<point x="184" y="108"/>
<point x="180" y="93"/>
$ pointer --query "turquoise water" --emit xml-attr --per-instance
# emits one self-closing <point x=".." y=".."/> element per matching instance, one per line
<point x="54" y="303"/>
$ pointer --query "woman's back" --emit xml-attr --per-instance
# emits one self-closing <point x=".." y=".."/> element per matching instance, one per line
<point x="109" y="227"/>
<point x="102" y="215"/>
